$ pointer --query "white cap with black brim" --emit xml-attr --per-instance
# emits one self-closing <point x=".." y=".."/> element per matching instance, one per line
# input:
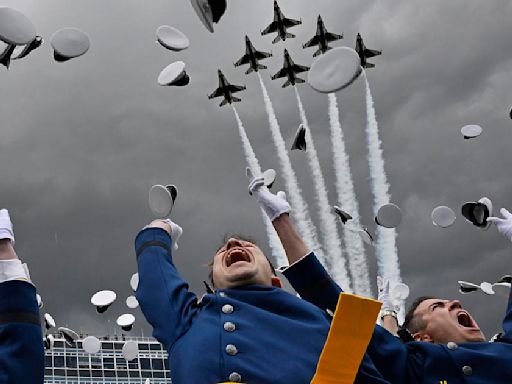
<point x="103" y="299"/>
<point x="477" y="212"/>
<point x="126" y="322"/>
<point x="91" y="344"/>
<point x="49" y="322"/>
<point x="172" y="38"/>
<point x="161" y="200"/>
<point x="69" y="43"/>
<point x="130" y="350"/>
<point x="443" y="216"/>
<point x="69" y="335"/>
<point x="389" y="216"/>
<point x="174" y="74"/>
<point x="15" y="27"/>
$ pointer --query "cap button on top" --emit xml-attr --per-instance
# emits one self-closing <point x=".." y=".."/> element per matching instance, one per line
<point x="229" y="326"/>
<point x="451" y="345"/>
<point x="467" y="370"/>
<point x="235" y="377"/>
<point x="231" y="350"/>
<point x="227" y="308"/>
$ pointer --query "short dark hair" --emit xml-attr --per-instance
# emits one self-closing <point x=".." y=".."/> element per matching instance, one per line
<point x="412" y="322"/>
<point x="238" y="237"/>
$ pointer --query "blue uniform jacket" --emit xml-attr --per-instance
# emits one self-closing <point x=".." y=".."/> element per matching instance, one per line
<point x="253" y="334"/>
<point x="421" y="362"/>
<point x="21" y="339"/>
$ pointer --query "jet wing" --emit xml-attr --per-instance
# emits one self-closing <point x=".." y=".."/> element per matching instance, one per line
<point x="261" y="55"/>
<point x="333" y="36"/>
<point x="312" y="42"/>
<point x="280" y="73"/>
<point x="299" y="68"/>
<point x="371" y="52"/>
<point x="243" y="60"/>
<point x="235" y="88"/>
<point x="271" y="28"/>
<point x="218" y="92"/>
<point x="290" y="22"/>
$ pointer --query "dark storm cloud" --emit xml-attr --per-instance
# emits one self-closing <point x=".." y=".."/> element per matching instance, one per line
<point x="82" y="141"/>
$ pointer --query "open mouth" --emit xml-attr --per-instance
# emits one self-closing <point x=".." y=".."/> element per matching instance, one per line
<point x="465" y="320"/>
<point x="237" y="255"/>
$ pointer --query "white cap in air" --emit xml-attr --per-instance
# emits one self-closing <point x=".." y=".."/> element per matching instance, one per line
<point x="130" y="350"/>
<point x="134" y="281"/>
<point x="15" y="27"/>
<point x="126" y="321"/>
<point x="269" y="176"/>
<point x="477" y="212"/>
<point x="400" y="291"/>
<point x="161" y="200"/>
<point x="174" y="74"/>
<point x="39" y="300"/>
<point x="471" y="131"/>
<point x="69" y="335"/>
<point x="299" y="140"/>
<point x="204" y="12"/>
<point x="334" y="70"/>
<point x="172" y="38"/>
<point x="91" y="344"/>
<point x="467" y="287"/>
<point x="389" y="216"/>
<point x="103" y="299"/>
<point x="132" y="302"/>
<point x="49" y="340"/>
<point x="49" y="322"/>
<point x="69" y="43"/>
<point x="443" y="216"/>
<point x="486" y="288"/>
<point x="366" y="236"/>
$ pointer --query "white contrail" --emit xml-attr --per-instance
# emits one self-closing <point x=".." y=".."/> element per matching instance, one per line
<point x="385" y="246"/>
<point x="252" y="161"/>
<point x="331" y="240"/>
<point x="294" y="194"/>
<point x="348" y="201"/>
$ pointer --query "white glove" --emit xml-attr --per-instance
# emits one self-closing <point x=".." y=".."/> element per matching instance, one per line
<point x="6" y="231"/>
<point x="273" y="205"/>
<point x="384" y="296"/>
<point x="176" y="230"/>
<point x="504" y="224"/>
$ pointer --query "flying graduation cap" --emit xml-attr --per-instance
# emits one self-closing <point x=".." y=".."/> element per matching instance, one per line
<point x="269" y="176"/>
<point x="299" y="141"/>
<point x="334" y="70"/>
<point x="40" y="303"/>
<point x="130" y="350"/>
<point x="389" y="216"/>
<point x="126" y="322"/>
<point x="132" y="302"/>
<point x="69" y="335"/>
<point x="49" y="322"/>
<point x="91" y="344"/>
<point x="471" y="131"/>
<point x="49" y="341"/>
<point x="443" y="216"/>
<point x="102" y="300"/>
<point x="466" y="287"/>
<point x="134" y="281"/>
<point x="69" y="43"/>
<point x="23" y="50"/>
<point x="365" y="235"/>
<point x="161" y="200"/>
<point x="172" y="38"/>
<point x="174" y="74"/>
<point x="344" y="216"/>
<point x="477" y="212"/>
<point x="209" y="11"/>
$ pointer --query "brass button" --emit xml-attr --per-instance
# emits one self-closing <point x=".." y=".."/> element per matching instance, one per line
<point x="227" y="309"/>
<point x="452" y="346"/>
<point x="235" y="377"/>
<point x="467" y="370"/>
<point x="229" y="326"/>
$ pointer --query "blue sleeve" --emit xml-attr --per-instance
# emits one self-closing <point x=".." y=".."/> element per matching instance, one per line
<point x="163" y="295"/>
<point x="21" y="339"/>
<point x="312" y="282"/>
<point x="390" y="356"/>
<point x="507" y="321"/>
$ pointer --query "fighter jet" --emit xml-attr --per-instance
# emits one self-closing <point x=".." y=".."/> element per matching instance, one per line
<point x="226" y="90"/>
<point x="290" y="70"/>
<point x="251" y="57"/>
<point x="365" y="53"/>
<point x="344" y="216"/>
<point x="322" y="38"/>
<point x="280" y="24"/>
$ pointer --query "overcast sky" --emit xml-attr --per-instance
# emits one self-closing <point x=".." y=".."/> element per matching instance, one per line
<point x="83" y="141"/>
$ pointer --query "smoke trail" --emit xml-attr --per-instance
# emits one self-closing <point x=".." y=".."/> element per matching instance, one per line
<point x="331" y="240"/>
<point x="252" y="162"/>
<point x="347" y="199"/>
<point x="299" y="207"/>
<point x="385" y="247"/>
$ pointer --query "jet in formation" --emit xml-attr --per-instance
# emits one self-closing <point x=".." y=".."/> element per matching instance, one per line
<point x="322" y="38"/>
<point x="226" y="90"/>
<point x="252" y="57"/>
<point x="280" y="24"/>
<point x="290" y="70"/>
<point x="365" y="53"/>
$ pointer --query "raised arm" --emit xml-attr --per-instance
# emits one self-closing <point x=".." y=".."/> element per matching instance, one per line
<point x="163" y="295"/>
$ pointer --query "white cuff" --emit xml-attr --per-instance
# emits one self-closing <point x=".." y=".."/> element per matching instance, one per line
<point x="13" y="270"/>
<point x="282" y="269"/>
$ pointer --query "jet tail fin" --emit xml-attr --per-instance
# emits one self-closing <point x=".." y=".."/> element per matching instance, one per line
<point x="223" y="103"/>
<point x="369" y="65"/>
<point x="287" y="83"/>
<point x="289" y="35"/>
<point x="277" y="38"/>
<point x="318" y="52"/>
<point x="235" y="99"/>
<point x="298" y="80"/>
<point x="249" y="70"/>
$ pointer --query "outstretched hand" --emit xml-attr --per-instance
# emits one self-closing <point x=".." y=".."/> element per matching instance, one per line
<point x="384" y="295"/>
<point x="504" y="223"/>
<point x="273" y="205"/>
